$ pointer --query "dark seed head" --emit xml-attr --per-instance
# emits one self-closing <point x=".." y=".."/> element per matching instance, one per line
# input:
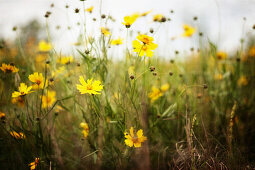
<point x="47" y="62"/>
<point x="132" y="77"/>
<point x="152" y="68"/>
<point x="87" y="52"/>
<point x="151" y="30"/>
<point x="195" y="18"/>
<point x="76" y="10"/>
<point x="205" y="86"/>
<point x="154" y="74"/>
<point x="103" y="16"/>
<point x="171" y="73"/>
<point x="14" y="28"/>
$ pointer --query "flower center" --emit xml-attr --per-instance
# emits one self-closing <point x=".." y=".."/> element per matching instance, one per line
<point x="89" y="87"/>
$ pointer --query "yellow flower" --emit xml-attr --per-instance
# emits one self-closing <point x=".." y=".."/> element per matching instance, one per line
<point x="118" y="41"/>
<point x="41" y="58"/>
<point x="165" y="87"/>
<point x="38" y="79"/>
<point x="221" y="55"/>
<point x="188" y="30"/>
<point x="129" y="20"/>
<point x="23" y="90"/>
<point x="19" y="100"/>
<point x="89" y="87"/>
<point x="85" y="127"/>
<point x="49" y="99"/>
<point x="2" y="115"/>
<point x="19" y="135"/>
<point x="218" y="77"/>
<point x="34" y="164"/>
<point x="10" y="68"/>
<point x="143" y="49"/>
<point x="146" y="13"/>
<point x="65" y="60"/>
<point x="242" y="81"/>
<point x="90" y="10"/>
<point x="134" y="140"/>
<point x="105" y="31"/>
<point x="155" y="94"/>
<point x="159" y="18"/>
<point x="145" y="39"/>
<point x="44" y="46"/>
<point x="252" y="52"/>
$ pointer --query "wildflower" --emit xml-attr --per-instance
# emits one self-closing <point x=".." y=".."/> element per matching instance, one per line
<point x="89" y="87"/>
<point x="129" y="20"/>
<point x="23" y="90"/>
<point x="155" y="94"/>
<point x="38" y="79"/>
<point x="20" y="101"/>
<point x="118" y="41"/>
<point x="159" y="18"/>
<point x="9" y="68"/>
<point x="105" y="31"/>
<point x="134" y="140"/>
<point x="221" y="55"/>
<point x="252" y="52"/>
<point x="85" y="127"/>
<point x="34" y="164"/>
<point x="164" y="87"/>
<point x="90" y="10"/>
<point x="2" y="115"/>
<point x="65" y="60"/>
<point x="218" y="77"/>
<point x="188" y="30"/>
<point x="49" y="99"/>
<point x="147" y="40"/>
<point x="142" y="49"/>
<point x="17" y="135"/>
<point x="242" y="81"/>
<point x="44" y="46"/>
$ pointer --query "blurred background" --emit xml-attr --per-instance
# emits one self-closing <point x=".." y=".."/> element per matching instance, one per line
<point x="224" y="22"/>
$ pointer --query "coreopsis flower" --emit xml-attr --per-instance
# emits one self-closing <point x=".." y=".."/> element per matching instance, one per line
<point x="38" y="79"/>
<point x="90" y="87"/>
<point x="44" y="46"/>
<point x="8" y="68"/>
<point x="105" y="31"/>
<point x="34" y="164"/>
<point x="17" y="135"/>
<point x="155" y="94"/>
<point x="134" y="140"/>
<point x="90" y="9"/>
<point x="129" y="20"/>
<point x="118" y="41"/>
<point x="85" y="130"/>
<point x="242" y="81"/>
<point x="49" y="99"/>
<point x="23" y="90"/>
<point x="20" y="101"/>
<point x="164" y="87"/>
<point x="2" y="115"/>
<point x="147" y="40"/>
<point x="143" y="49"/>
<point x="221" y="55"/>
<point x="65" y="60"/>
<point x="159" y="18"/>
<point x="188" y="30"/>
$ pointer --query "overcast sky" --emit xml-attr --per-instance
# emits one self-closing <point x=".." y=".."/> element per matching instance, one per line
<point x="220" y="20"/>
